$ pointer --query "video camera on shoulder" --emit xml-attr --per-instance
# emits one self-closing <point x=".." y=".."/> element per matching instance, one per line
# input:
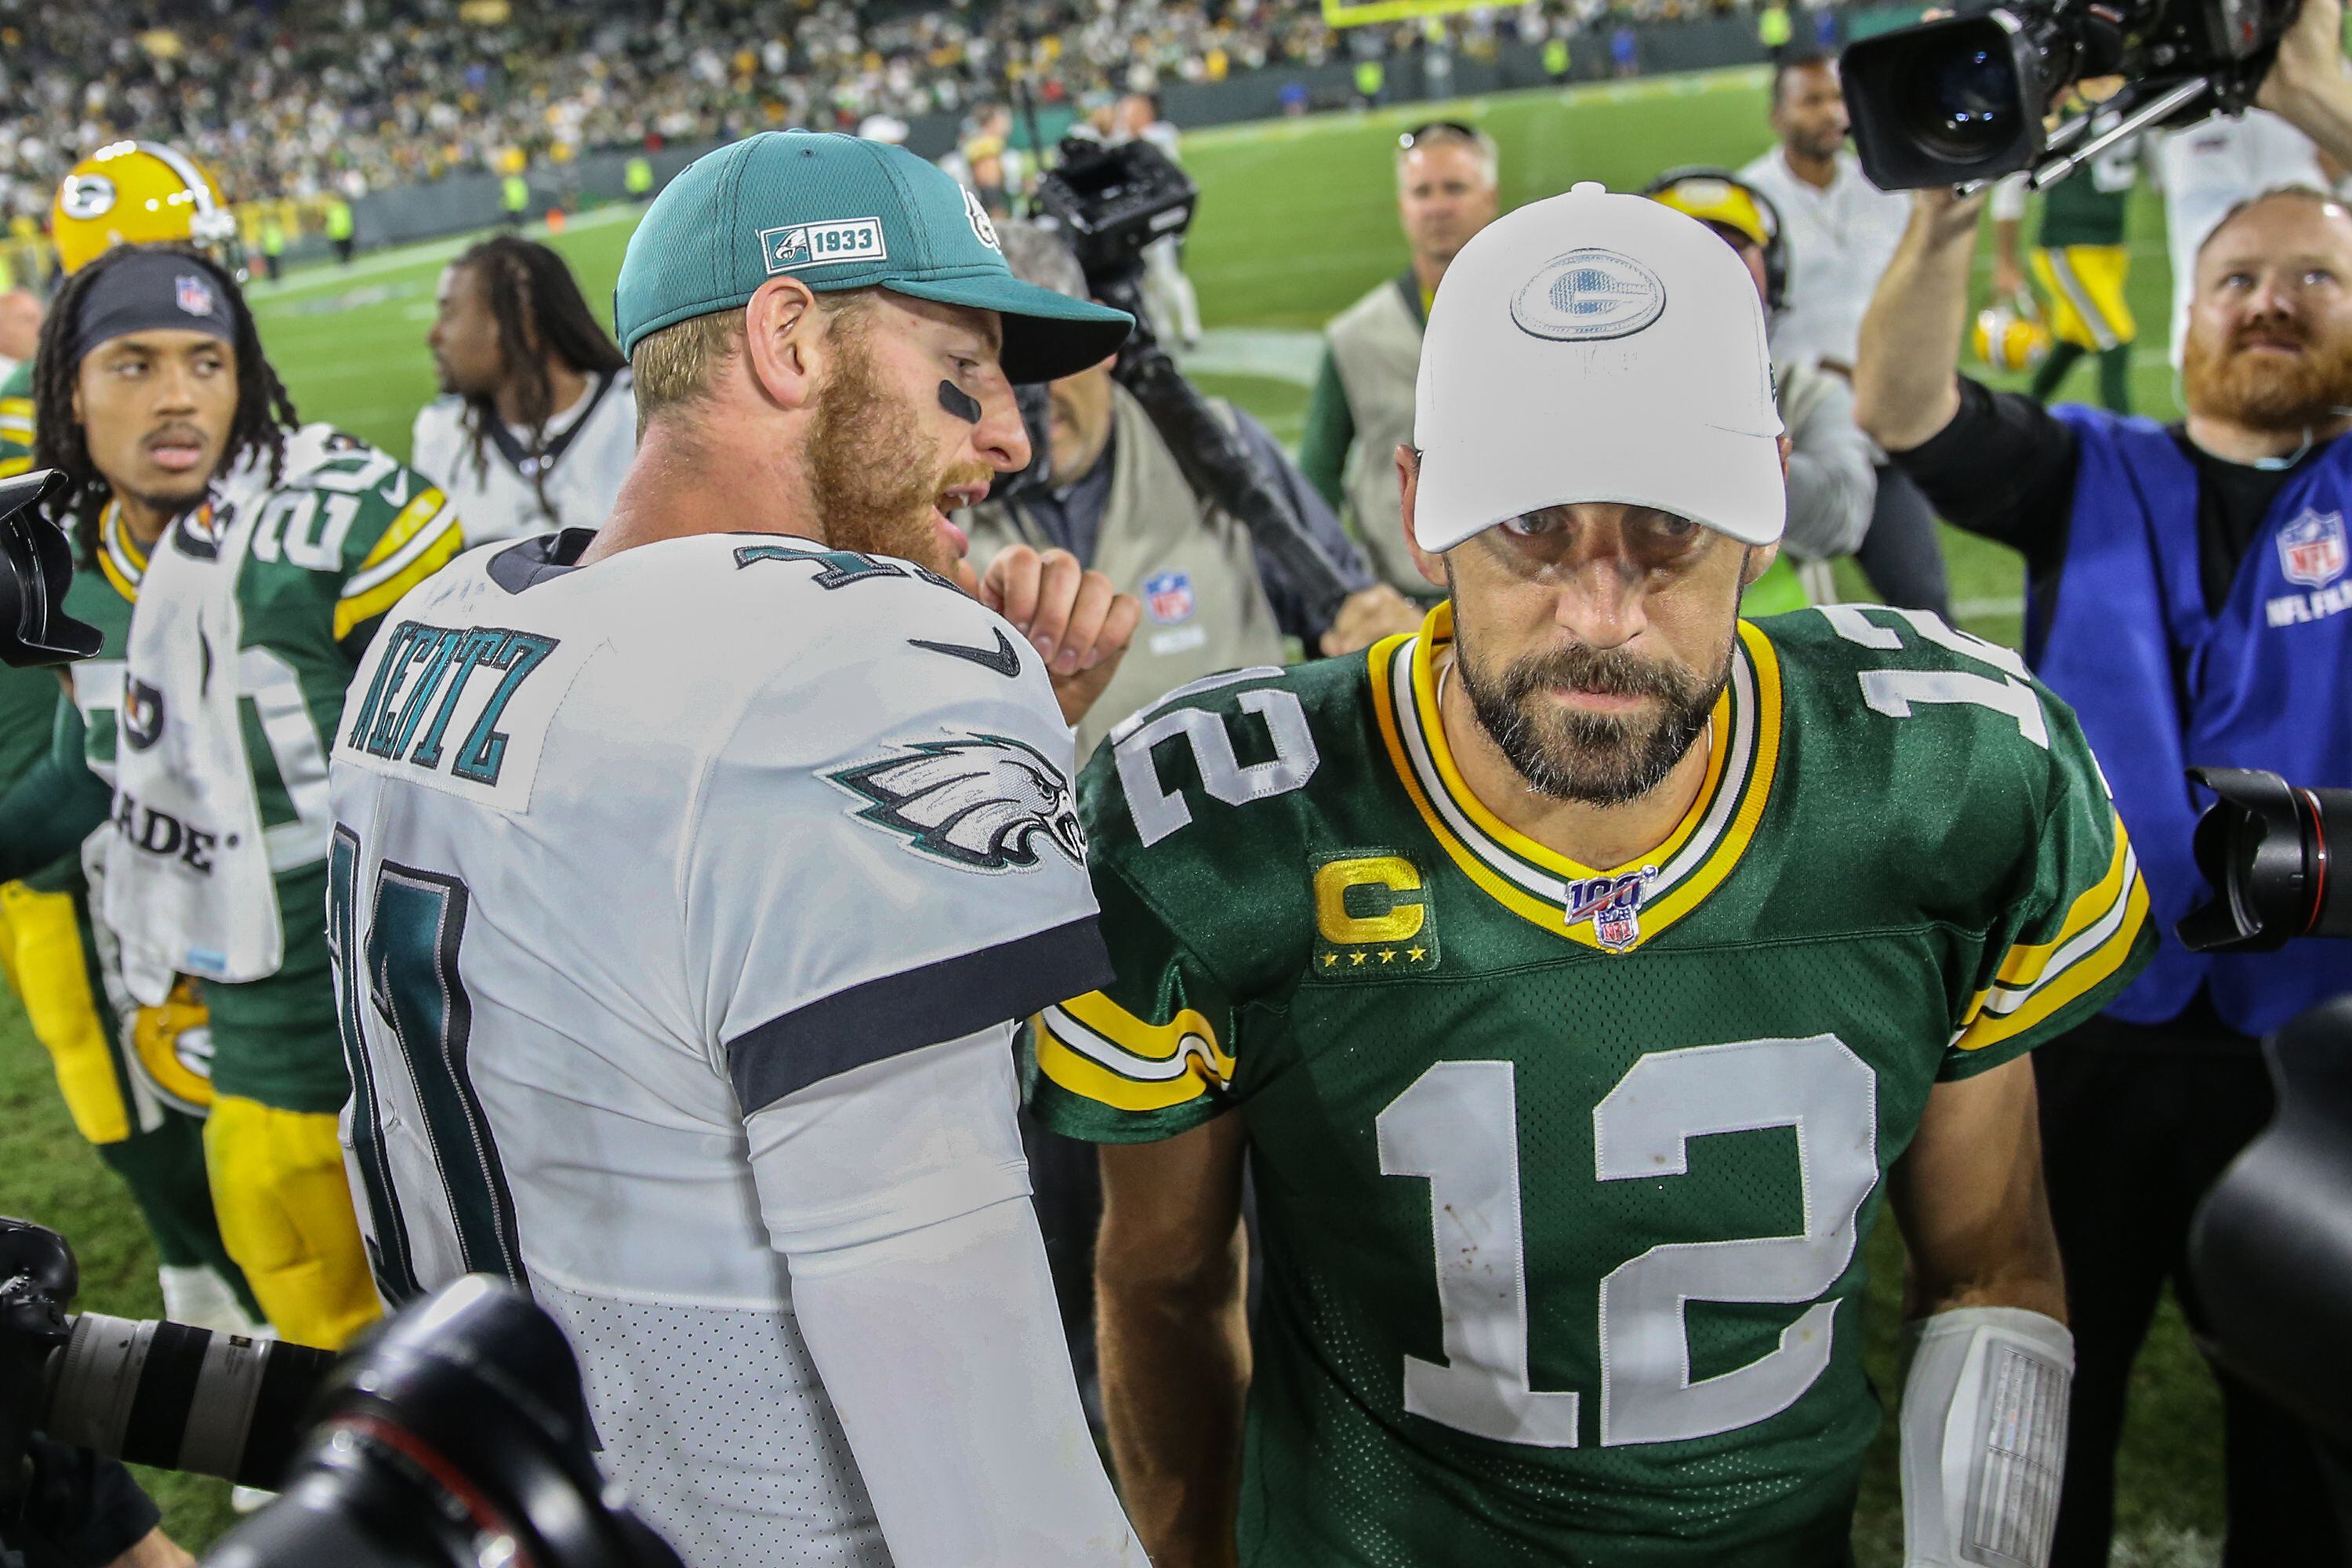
<point x="1109" y="203"/>
<point x="1964" y="100"/>
<point x="457" y="1435"/>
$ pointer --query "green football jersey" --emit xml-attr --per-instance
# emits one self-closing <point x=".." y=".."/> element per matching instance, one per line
<point x="336" y="540"/>
<point x="2089" y="206"/>
<point x="1564" y="1174"/>
<point x="17" y="421"/>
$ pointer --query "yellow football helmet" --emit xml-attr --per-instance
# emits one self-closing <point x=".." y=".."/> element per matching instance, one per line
<point x="137" y="193"/>
<point x="2011" y="336"/>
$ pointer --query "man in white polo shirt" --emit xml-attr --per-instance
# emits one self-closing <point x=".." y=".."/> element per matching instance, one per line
<point x="1841" y="232"/>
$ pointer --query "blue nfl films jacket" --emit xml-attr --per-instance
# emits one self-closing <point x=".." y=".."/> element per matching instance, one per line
<point x="2161" y="684"/>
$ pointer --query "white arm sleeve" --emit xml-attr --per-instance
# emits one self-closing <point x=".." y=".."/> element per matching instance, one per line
<point x="898" y="1192"/>
<point x="1984" y="1437"/>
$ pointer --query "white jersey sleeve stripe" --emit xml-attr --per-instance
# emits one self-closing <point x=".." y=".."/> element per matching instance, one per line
<point x="915" y="1008"/>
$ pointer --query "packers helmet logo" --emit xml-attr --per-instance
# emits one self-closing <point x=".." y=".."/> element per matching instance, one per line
<point x="984" y="803"/>
<point x="85" y="196"/>
<point x="142" y="714"/>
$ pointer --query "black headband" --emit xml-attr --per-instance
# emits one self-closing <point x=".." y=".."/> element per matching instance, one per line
<point x="148" y="291"/>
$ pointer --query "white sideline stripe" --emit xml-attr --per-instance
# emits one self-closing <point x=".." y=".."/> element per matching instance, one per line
<point x="326" y="277"/>
<point x="1299" y="127"/>
<point x="1969" y="609"/>
<point x="1270" y="353"/>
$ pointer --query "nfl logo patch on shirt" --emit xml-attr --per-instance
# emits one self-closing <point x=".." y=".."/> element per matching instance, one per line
<point x="1169" y="596"/>
<point x="2312" y="550"/>
<point x="1614" y="905"/>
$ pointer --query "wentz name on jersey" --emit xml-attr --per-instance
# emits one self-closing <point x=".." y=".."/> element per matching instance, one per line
<point x="1564" y="1173"/>
<point x="681" y="903"/>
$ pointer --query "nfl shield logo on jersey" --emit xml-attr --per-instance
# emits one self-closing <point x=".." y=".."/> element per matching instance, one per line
<point x="2312" y="550"/>
<point x="1169" y="596"/>
<point x="1614" y="905"/>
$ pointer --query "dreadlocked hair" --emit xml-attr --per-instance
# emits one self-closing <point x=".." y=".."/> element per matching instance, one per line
<point x="264" y="411"/>
<point x="540" y="310"/>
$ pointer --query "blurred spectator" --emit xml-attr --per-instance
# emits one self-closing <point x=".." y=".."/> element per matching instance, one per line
<point x="539" y="420"/>
<point x="2082" y="263"/>
<point x="293" y="99"/>
<point x="1841" y="232"/>
<point x="1624" y="46"/>
<point x="1363" y="405"/>
<point x="1830" y="463"/>
<point x="20" y="328"/>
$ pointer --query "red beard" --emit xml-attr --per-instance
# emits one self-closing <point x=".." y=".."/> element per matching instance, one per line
<point x="2268" y="392"/>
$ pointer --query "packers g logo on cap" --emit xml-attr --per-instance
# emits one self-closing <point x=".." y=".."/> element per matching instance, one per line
<point x="1587" y="295"/>
<point x="85" y="196"/>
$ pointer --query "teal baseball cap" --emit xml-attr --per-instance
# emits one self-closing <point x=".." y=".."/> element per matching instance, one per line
<point x="839" y="213"/>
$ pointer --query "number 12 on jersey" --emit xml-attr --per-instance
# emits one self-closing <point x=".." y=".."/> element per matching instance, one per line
<point x="403" y="965"/>
<point x="1457" y="1126"/>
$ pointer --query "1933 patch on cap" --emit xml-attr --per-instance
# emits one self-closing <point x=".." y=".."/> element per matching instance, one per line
<point x="803" y="245"/>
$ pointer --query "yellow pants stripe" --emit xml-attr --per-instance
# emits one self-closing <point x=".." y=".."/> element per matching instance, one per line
<point x="41" y="952"/>
<point x="286" y="1216"/>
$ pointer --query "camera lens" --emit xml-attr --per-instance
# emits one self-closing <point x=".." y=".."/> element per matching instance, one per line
<point x="1966" y="101"/>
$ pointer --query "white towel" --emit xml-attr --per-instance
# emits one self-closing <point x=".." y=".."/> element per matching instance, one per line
<point x="188" y="889"/>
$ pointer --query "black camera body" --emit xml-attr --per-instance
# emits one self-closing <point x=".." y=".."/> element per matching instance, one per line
<point x="1109" y="203"/>
<point x="1964" y="99"/>
<point x="35" y="569"/>
<point x="459" y="1434"/>
<point x="2267" y="846"/>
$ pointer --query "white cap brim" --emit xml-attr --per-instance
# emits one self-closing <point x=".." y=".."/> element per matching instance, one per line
<point x="1729" y="480"/>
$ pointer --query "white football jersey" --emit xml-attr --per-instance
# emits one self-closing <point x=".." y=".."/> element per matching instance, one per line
<point x="581" y="462"/>
<point x="628" y="856"/>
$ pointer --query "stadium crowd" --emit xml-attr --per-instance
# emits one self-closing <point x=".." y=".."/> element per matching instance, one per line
<point x="301" y="99"/>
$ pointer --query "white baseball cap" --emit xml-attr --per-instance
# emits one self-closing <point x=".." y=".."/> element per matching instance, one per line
<point x="1594" y="347"/>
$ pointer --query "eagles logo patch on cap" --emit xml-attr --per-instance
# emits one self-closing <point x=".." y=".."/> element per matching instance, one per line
<point x="983" y="230"/>
<point x="1589" y="295"/>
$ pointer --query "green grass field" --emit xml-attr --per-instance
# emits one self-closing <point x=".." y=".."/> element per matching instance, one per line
<point x="1296" y="219"/>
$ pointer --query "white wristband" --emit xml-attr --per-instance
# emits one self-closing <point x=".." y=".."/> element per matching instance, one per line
<point x="1984" y="1438"/>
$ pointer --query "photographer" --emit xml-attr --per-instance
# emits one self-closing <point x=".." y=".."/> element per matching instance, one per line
<point x="82" y="1511"/>
<point x="1117" y="499"/>
<point x="2186" y="590"/>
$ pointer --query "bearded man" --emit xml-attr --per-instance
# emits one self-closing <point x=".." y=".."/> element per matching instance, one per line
<point x="742" y="1115"/>
<point x="1579" y="979"/>
<point x="2187" y="590"/>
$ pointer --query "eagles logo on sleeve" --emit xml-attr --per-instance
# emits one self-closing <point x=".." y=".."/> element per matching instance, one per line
<point x="979" y="802"/>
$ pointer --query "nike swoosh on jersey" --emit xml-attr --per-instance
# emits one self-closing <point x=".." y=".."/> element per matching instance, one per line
<point x="1002" y="658"/>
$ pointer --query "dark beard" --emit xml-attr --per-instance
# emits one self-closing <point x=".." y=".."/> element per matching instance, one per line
<point x="873" y="487"/>
<point x="1596" y="758"/>
<point x="2282" y="399"/>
